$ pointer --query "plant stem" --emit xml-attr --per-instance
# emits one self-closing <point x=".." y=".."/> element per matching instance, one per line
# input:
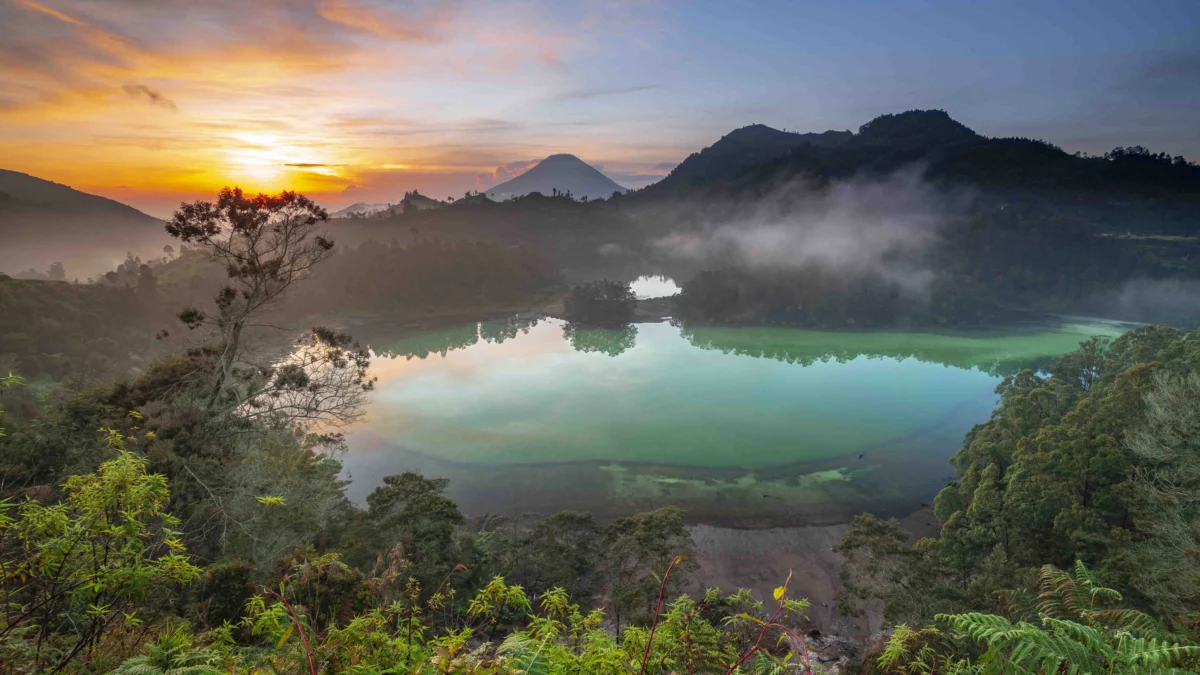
<point x="311" y="666"/>
<point x="657" y="609"/>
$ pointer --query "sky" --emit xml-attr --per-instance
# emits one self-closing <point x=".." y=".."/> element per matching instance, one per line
<point x="152" y="102"/>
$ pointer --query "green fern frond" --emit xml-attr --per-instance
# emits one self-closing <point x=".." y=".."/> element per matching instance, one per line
<point x="1152" y="652"/>
<point x="1091" y="637"/>
<point x="1135" y="622"/>
<point x="988" y="628"/>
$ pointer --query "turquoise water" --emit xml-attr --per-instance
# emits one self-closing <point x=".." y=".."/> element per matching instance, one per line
<point x="748" y="426"/>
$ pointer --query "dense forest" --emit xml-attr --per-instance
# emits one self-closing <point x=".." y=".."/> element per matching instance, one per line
<point x="1074" y="520"/>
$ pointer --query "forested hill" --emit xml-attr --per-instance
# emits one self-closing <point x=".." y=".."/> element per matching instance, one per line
<point x="43" y="222"/>
<point x="20" y="190"/>
<point x="753" y="159"/>
<point x="737" y="150"/>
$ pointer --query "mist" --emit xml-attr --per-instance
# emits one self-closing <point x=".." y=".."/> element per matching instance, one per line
<point x="856" y="228"/>
<point x="1173" y="301"/>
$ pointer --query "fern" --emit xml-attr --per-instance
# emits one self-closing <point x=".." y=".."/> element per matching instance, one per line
<point x="171" y="654"/>
<point x="1068" y="647"/>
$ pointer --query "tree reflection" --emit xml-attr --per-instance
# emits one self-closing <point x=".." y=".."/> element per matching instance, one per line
<point x="445" y="340"/>
<point x="611" y="341"/>
<point x="987" y="352"/>
<point x="499" y="330"/>
<point x="422" y="345"/>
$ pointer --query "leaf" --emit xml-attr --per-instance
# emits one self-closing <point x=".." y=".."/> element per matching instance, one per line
<point x="286" y="634"/>
<point x="779" y="591"/>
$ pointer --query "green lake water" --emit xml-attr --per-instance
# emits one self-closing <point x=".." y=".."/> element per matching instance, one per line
<point x="743" y="426"/>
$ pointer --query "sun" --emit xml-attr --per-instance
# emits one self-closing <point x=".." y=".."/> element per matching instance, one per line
<point x="270" y="162"/>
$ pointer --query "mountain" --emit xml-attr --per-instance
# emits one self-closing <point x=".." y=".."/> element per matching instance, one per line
<point x="1126" y="190"/>
<point x="43" y="222"/>
<point x="564" y="173"/>
<point x="21" y="189"/>
<point x="357" y="208"/>
<point x="739" y="149"/>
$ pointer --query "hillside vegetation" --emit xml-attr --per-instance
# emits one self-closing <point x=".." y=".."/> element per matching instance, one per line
<point x="55" y="328"/>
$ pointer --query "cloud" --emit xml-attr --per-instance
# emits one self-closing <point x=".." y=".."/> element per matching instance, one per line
<point x="859" y="227"/>
<point x="507" y="172"/>
<point x="383" y="23"/>
<point x="312" y="95"/>
<point x="155" y="97"/>
<point x="48" y="11"/>
<point x="597" y="92"/>
<point x="69" y="59"/>
<point x="375" y="127"/>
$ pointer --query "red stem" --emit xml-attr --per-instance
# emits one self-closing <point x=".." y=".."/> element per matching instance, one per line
<point x="311" y="666"/>
<point x="658" y="608"/>
<point x="757" y="642"/>
<point x="770" y="622"/>
<point x="807" y="667"/>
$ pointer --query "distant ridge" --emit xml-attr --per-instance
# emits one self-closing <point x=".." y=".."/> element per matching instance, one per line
<point x="751" y="159"/>
<point x="357" y="208"/>
<point x="563" y="173"/>
<point x="42" y="222"/>
<point x="21" y="189"/>
<point x="742" y="148"/>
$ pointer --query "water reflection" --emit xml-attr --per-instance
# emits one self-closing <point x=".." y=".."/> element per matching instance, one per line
<point x="997" y="353"/>
<point x="647" y="287"/>
<point x="422" y="344"/>
<point x="611" y="341"/>
<point x="499" y="330"/>
<point x="523" y="414"/>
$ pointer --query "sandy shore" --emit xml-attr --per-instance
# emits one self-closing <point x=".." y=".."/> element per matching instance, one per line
<point x="760" y="560"/>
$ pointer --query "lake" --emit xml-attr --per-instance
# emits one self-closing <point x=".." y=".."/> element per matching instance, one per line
<point x="740" y="426"/>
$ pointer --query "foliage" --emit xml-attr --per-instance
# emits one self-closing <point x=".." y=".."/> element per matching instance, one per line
<point x="820" y="296"/>
<point x="411" y="512"/>
<point x="637" y="550"/>
<point x="1165" y="494"/>
<point x="1071" y="627"/>
<point x="1070" y="467"/>
<point x="52" y="329"/>
<point x="171" y="654"/>
<point x="429" y="275"/>
<point x="7" y="382"/>
<point x="101" y="561"/>
<point x="1078" y="632"/>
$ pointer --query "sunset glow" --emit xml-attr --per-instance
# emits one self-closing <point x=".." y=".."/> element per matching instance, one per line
<point x="361" y="100"/>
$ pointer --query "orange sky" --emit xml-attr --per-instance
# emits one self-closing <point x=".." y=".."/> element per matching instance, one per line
<point x="346" y="100"/>
<point x="154" y="101"/>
